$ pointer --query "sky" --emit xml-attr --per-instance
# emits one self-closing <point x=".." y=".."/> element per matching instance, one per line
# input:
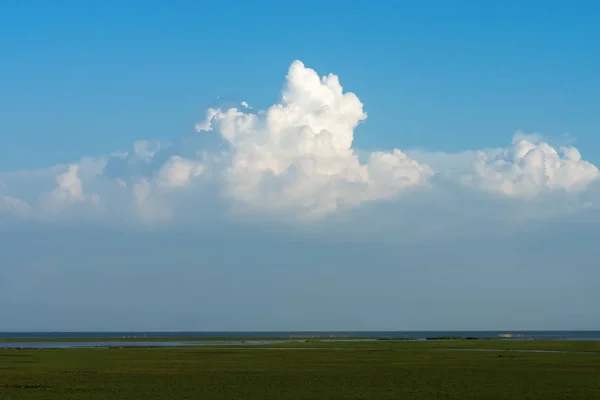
<point x="270" y="166"/>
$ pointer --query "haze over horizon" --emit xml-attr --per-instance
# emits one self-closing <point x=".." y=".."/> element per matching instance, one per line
<point x="198" y="170"/>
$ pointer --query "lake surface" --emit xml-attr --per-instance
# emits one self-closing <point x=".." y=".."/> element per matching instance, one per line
<point x="113" y="343"/>
<point x="565" y="335"/>
<point x="41" y="339"/>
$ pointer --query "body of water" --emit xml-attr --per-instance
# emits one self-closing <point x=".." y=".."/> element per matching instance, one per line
<point x="115" y="343"/>
<point x="564" y="335"/>
<point x="153" y="339"/>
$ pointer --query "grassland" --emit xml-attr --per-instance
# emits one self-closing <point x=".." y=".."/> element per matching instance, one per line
<point x="592" y="346"/>
<point x="311" y="370"/>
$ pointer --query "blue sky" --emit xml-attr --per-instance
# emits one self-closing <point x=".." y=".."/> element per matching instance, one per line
<point x="461" y="171"/>
<point x="443" y="75"/>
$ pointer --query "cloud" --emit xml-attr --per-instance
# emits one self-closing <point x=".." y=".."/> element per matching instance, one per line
<point x="149" y="207"/>
<point x="530" y="167"/>
<point x="298" y="154"/>
<point x="178" y="172"/>
<point x="14" y="206"/>
<point x="296" y="160"/>
<point x="68" y="192"/>
<point x="70" y="187"/>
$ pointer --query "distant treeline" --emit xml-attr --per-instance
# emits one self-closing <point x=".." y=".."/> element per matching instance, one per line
<point x="443" y="338"/>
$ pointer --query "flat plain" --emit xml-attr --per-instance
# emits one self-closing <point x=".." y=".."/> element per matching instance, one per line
<point x="458" y="369"/>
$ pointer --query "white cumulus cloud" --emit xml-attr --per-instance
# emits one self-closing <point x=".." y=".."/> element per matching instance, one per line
<point x="178" y="172"/>
<point x="297" y="159"/>
<point x="530" y="167"/>
<point x="69" y="190"/>
<point x="298" y="156"/>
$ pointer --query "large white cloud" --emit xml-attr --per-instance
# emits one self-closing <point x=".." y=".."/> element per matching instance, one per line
<point x="298" y="154"/>
<point x="294" y="159"/>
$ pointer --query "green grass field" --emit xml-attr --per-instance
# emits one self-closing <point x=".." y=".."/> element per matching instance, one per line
<point x="311" y="370"/>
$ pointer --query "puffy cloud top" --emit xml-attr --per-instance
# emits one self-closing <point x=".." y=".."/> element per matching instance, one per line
<point x="298" y="155"/>
<point x="530" y="167"/>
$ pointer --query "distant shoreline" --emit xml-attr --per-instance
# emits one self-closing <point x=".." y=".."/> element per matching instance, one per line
<point x="188" y="336"/>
